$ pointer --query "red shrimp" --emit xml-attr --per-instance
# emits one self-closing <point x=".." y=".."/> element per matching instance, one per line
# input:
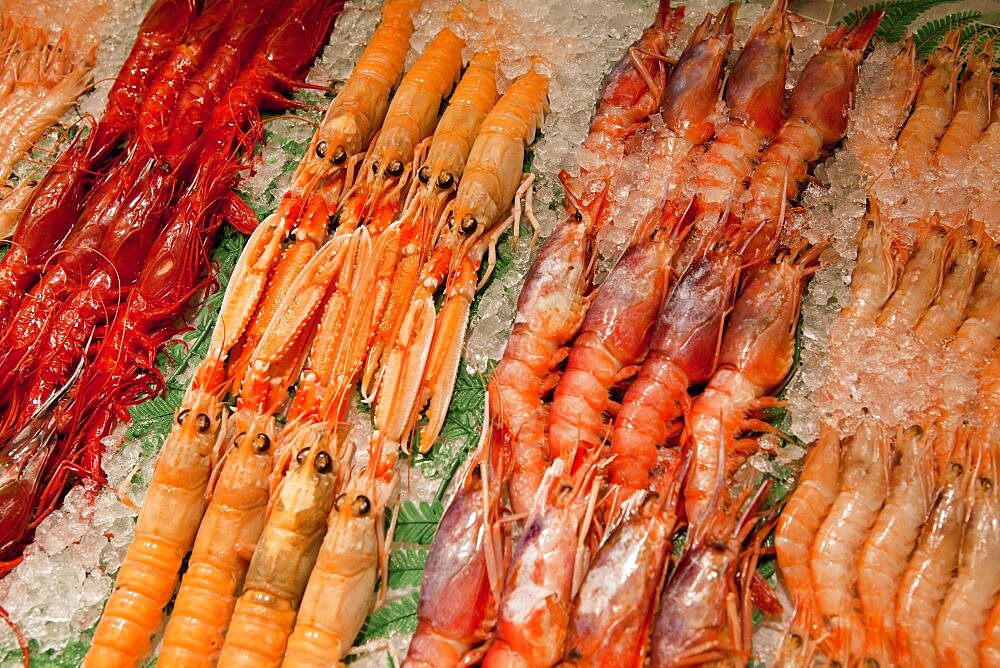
<point x="682" y="352"/>
<point x="755" y="357"/>
<point x="816" y="119"/>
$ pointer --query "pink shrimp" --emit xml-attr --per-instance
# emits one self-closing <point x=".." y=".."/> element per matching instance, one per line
<point x="756" y="355"/>
<point x="801" y="519"/>
<point x="863" y="486"/>
<point x="892" y="538"/>
<point x="972" y="108"/>
<point x="545" y="571"/>
<point x="966" y="607"/>
<point x="682" y="352"/>
<point x="932" y="566"/>
<point x="933" y="109"/>
<point x="613" y="611"/>
<point x="979" y="332"/>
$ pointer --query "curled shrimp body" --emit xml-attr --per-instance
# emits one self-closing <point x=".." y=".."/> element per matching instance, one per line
<point x="230" y="528"/>
<point x="614" y="336"/>
<point x="833" y="560"/>
<point x="460" y="591"/>
<point x="284" y="555"/>
<point x="891" y="540"/>
<point x="613" y="611"/>
<point x="342" y="583"/>
<point x="755" y="356"/>
<point x="966" y="607"/>
<point x="545" y="571"/>
<point x="682" y="352"/>
<point x="690" y="99"/>
<point x="931" y="567"/>
<point x="932" y="111"/>
<point x="360" y="106"/>
<point x="164" y="532"/>
<point x="411" y="118"/>
<point x="972" y="109"/>
<point x="802" y="517"/>
<point x="816" y="119"/>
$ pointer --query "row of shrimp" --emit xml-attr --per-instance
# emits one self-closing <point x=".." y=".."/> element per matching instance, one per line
<point x="391" y="202"/>
<point x="888" y="543"/>
<point x="41" y="77"/>
<point x="598" y="447"/>
<point x="115" y="243"/>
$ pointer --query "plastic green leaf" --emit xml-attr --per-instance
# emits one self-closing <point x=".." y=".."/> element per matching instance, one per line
<point x="928" y="36"/>
<point x="899" y="14"/>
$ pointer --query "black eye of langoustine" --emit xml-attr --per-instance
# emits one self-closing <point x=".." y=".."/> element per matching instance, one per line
<point x="375" y="166"/>
<point x="362" y="505"/>
<point x="338" y="504"/>
<point x="202" y="423"/>
<point x="445" y="180"/>
<point x="469" y="223"/>
<point x="323" y="463"/>
<point x="424" y="174"/>
<point x="339" y="156"/>
<point x="395" y="168"/>
<point x="182" y="415"/>
<point x="261" y="443"/>
<point x="321" y="149"/>
<point x="301" y="457"/>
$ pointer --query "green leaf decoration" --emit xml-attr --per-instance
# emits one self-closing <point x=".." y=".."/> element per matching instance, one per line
<point x="399" y="616"/>
<point x="418" y="522"/>
<point x="929" y="35"/>
<point x="406" y="567"/>
<point x="899" y="14"/>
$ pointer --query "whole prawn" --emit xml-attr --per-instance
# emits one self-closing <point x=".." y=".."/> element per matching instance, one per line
<point x="892" y="538"/>
<point x="754" y="358"/>
<point x="546" y="569"/>
<point x="801" y="518"/>
<point x="972" y="108"/>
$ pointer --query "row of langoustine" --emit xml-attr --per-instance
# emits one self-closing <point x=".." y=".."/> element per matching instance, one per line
<point x="564" y="594"/>
<point x="885" y="544"/>
<point x="413" y="201"/>
<point x="115" y="241"/>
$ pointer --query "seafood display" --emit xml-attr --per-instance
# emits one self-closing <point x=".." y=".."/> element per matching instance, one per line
<point x="509" y="334"/>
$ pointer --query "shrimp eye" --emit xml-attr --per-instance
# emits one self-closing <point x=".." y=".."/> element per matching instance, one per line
<point x="361" y="505"/>
<point x="578" y="217"/>
<point x="986" y="484"/>
<point x="424" y="174"/>
<point x="649" y="501"/>
<point x="321" y="149"/>
<point x="836" y="664"/>
<point x="339" y="502"/>
<point x="973" y="243"/>
<point x="323" y="463"/>
<point x="795" y="640"/>
<point x="239" y="438"/>
<point x="339" y="155"/>
<point x="202" y="423"/>
<point x="870" y="662"/>
<point x="445" y="180"/>
<point x="469" y="223"/>
<point x="166" y="167"/>
<point x="301" y="457"/>
<point x="394" y="168"/>
<point x="261" y="443"/>
<point x="956" y="469"/>
<point x="718" y="546"/>
<point x="183" y="414"/>
<point x="375" y="166"/>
